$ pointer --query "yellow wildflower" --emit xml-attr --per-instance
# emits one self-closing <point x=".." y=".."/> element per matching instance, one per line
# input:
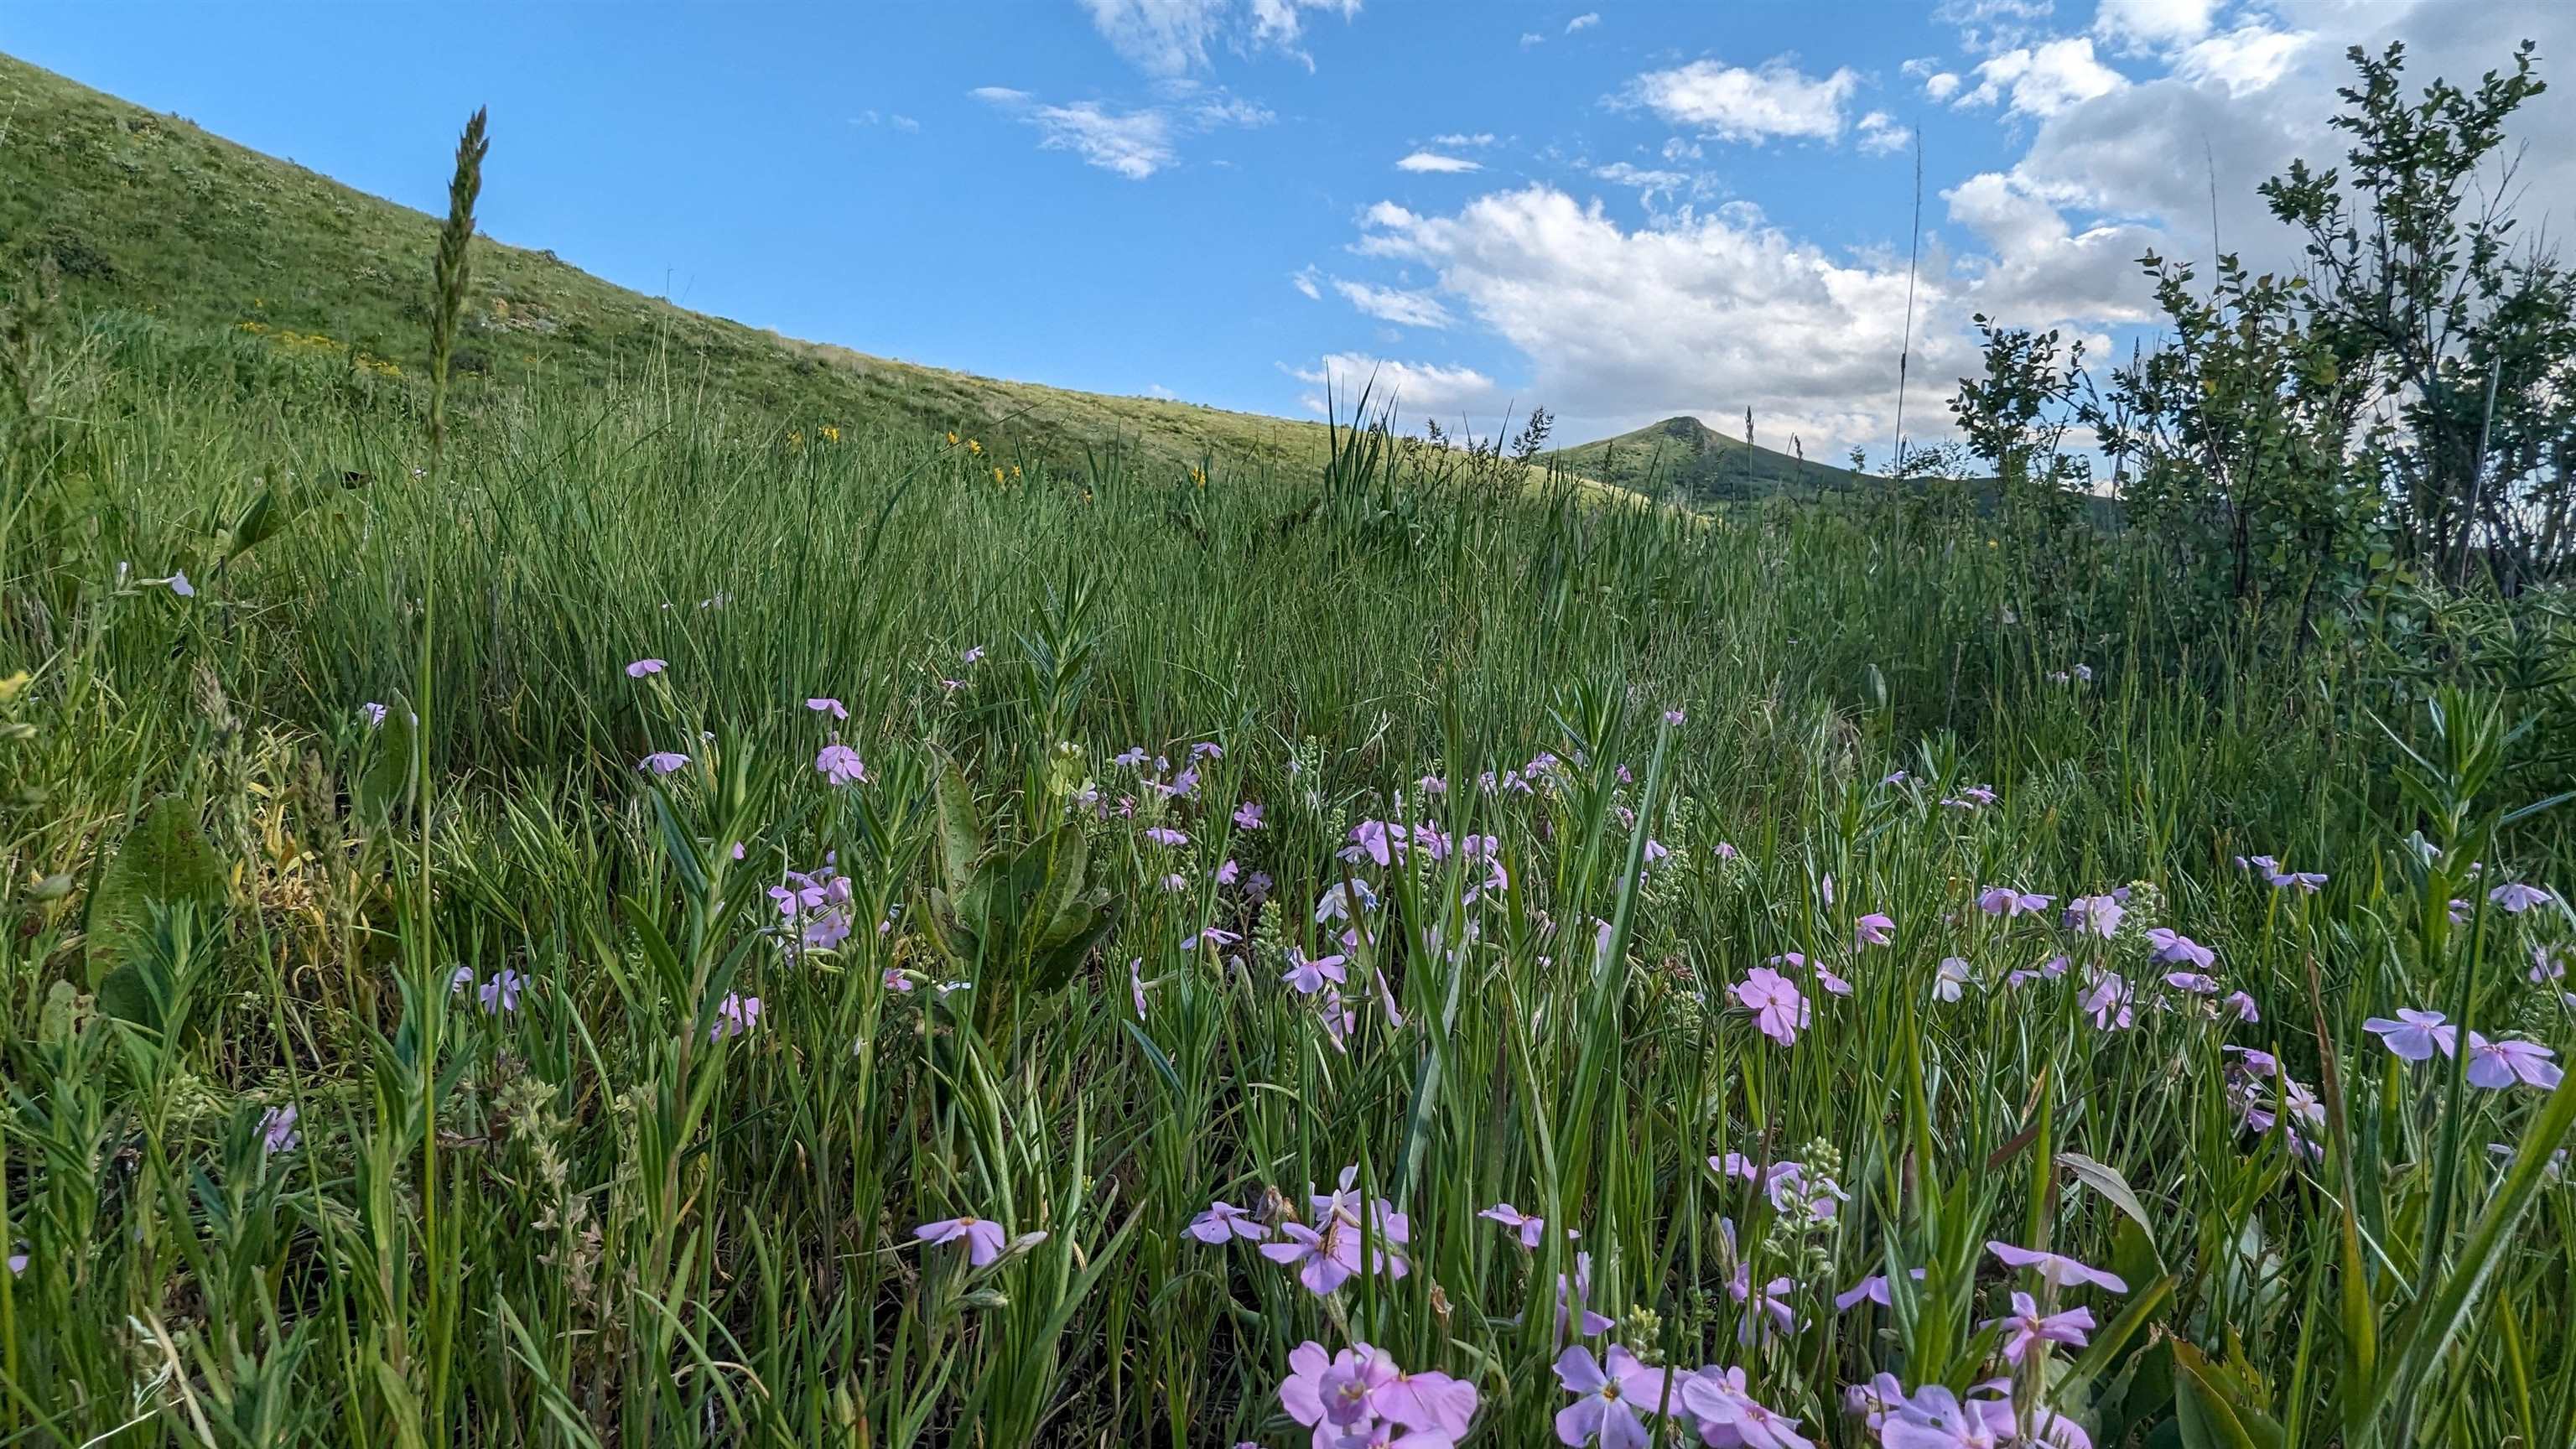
<point x="973" y="447"/>
<point x="952" y="440"/>
<point x="831" y="433"/>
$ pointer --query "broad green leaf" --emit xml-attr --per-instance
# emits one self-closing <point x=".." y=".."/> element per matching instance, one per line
<point x="164" y="861"/>
<point x="385" y="786"/>
<point x="2106" y="1180"/>
<point x="2214" y="1408"/>
<point x="961" y="838"/>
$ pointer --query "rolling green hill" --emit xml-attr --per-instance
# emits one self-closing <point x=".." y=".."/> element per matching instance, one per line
<point x="138" y="212"/>
<point x="1685" y="460"/>
<point x="148" y="213"/>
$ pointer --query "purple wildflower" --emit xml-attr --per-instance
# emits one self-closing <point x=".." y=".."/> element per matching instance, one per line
<point x="983" y="1237"/>
<point x="1778" y="1010"/>
<point x="2513" y="897"/>
<point x="841" y="765"/>
<point x="1224" y="1220"/>
<point x="2496" y="1064"/>
<point x="735" y="1015"/>
<point x="2173" y="947"/>
<point x="2415" y="1035"/>
<point x="2026" y="1328"/>
<point x="501" y="993"/>
<point x="1608" y="1398"/>
<point x="2056" y="1268"/>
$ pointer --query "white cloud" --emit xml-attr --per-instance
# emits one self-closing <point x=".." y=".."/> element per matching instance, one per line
<point x="1434" y="161"/>
<point x="1132" y="143"/>
<point x="2154" y="24"/>
<point x="1394" y="304"/>
<point x="1711" y="308"/>
<point x="2133" y="168"/>
<point x="1693" y="313"/>
<point x="1172" y="38"/>
<point x="1939" y="84"/>
<point x="1419" y="388"/>
<point x="1738" y="103"/>
<point x="1991" y="25"/>
<point x="1222" y="109"/>
<point x="1584" y="21"/>
<point x="1657" y="186"/>
<point x="1881" y="134"/>
<point x="1621" y="173"/>
<point x="1156" y="389"/>
<point x="2041" y="272"/>
<point x="2044" y="80"/>
<point x="1464" y="141"/>
<point x="1135" y="145"/>
<point x="2248" y="58"/>
<point x="1530" y="38"/>
<point x="1166" y="37"/>
<point x="1304" y="279"/>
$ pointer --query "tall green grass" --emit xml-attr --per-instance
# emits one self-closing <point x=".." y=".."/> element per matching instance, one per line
<point x="604" y="1217"/>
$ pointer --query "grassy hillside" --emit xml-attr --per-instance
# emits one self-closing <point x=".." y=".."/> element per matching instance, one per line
<point x="640" y="927"/>
<point x="1686" y="460"/>
<point x="148" y="212"/>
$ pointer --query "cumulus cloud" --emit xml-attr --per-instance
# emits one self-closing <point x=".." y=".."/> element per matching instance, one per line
<point x="1464" y="140"/>
<point x="1712" y="308"/>
<point x="1418" y="388"/>
<point x="1584" y="21"/>
<point x="1691" y="313"/>
<point x="1738" y="103"/>
<point x="2038" y="270"/>
<point x="1394" y="304"/>
<point x="1881" y="133"/>
<point x="2154" y="24"/>
<point x="1433" y="161"/>
<point x="2045" y="79"/>
<point x="1307" y="280"/>
<point x="1938" y="83"/>
<point x="2132" y="167"/>
<point x="2248" y="58"/>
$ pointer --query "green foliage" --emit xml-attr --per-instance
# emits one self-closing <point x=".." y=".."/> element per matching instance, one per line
<point x="164" y="864"/>
<point x="1020" y="923"/>
<point x="2300" y="445"/>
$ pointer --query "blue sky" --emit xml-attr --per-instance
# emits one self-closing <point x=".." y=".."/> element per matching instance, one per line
<point x="1619" y="212"/>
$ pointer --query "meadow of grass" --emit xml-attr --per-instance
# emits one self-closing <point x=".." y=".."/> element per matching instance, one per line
<point x="592" y="1085"/>
<point x="667" y="919"/>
